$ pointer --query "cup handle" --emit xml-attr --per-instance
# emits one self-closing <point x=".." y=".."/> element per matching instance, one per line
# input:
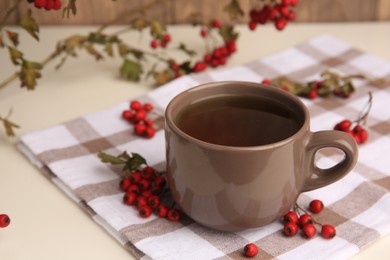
<point x="315" y="177"/>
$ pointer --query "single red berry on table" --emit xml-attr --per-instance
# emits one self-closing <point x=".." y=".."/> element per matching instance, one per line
<point x="290" y="229"/>
<point x="145" y="211"/>
<point x="149" y="107"/>
<point x="144" y="184"/>
<point x="173" y="215"/>
<point x="141" y="201"/>
<point x="139" y="128"/>
<point x="159" y="182"/>
<point x="291" y="216"/>
<point x="250" y="250"/>
<point x="150" y="132"/>
<point x="39" y="3"/>
<point x="309" y="230"/>
<point x="154" y="44"/>
<point x="148" y="172"/>
<point x="135" y="177"/>
<point x="135" y="105"/>
<point x="4" y="220"/>
<point x="305" y="219"/>
<point x="154" y="201"/>
<point x="316" y="206"/>
<point x="162" y="211"/>
<point x="129" y="198"/>
<point x="127" y="114"/>
<point x="147" y="193"/>
<point x="124" y="184"/>
<point x="328" y="231"/>
<point x="134" y="188"/>
<point x="217" y="24"/>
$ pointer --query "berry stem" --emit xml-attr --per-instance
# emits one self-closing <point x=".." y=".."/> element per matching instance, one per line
<point x="365" y="111"/>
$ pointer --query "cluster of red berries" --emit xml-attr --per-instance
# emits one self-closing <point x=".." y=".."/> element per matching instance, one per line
<point x="217" y="57"/>
<point x="293" y="221"/>
<point x="357" y="132"/>
<point x="144" y="189"/>
<point x="160" y="41"/>
<point x="279" y="13"/>
<point x="138" y="116"/>
<point x="216" y="24"/>
<point x="4" y="220"/>
<point x="47" y="4"/>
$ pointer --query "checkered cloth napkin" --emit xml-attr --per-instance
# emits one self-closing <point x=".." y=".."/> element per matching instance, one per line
<point x="358" y="205"/>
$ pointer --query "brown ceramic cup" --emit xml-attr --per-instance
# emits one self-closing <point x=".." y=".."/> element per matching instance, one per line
<point x="232" y="188"/>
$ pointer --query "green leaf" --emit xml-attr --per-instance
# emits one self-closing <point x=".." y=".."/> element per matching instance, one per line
<point x="157" y="29"/>
<point x="185" y="49"/>
<point x="109" y="50"/>
<point x="227" y="33"/>
<point x="13" y="37"/>
<point x="29" y="74"/>
<point x="15" y="55"/>
<point x="91" y="50"/>
<point x="131" y="70"/>
<point x="30" y="25"/>
<point x="137" y="54"/>
<point x="107" y="158"/>
<point x="234" y="10"/>
<point x="139" y="24"/>
<point x="134" y="162"/>
<point x="9" y="127"/>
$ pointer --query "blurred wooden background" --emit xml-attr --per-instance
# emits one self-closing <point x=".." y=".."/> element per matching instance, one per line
<point x="177" y="11"/>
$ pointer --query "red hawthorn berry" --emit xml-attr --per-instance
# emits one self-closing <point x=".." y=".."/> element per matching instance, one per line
<point x="309" y="230"/>
<point x="139" y="128"/>
<point x="345" y="125"/>
<point x="135" y="177"/>
<point x="159" y="182"/>
<point x="154" y="44"/>
<point x="204" y="33"/>
<point x="286" y="2"/>
<point x="294" y="2"/>
<point x="49" y="5"/>
<point x="4" y="220"/>
<point x="305" y="219"/>
<point x="134" y="188"/>
<point x="145" y="211"/>
<point x="162" y="211"/>
<point x="199" y="66"/>
<point x="284" y="10"/>
<point x="139" y="115"/>
<point x="148" y="172"/>
<point x="148" y="122"/>
<point x="147" y="193"/>
<point x="250" y="250"/>
<point x="144" y="184"/>
<point x="356" y="137"/>
<point x="163" y="44"/>
<point x="217" y="24"/>
<point x="291" y="216"/>
<point x="273" y="14"/>
<point x="313" y="94"/>
<point x="231" y="46"/>
<point x="173" y="215"/>
<point x="280" y="23"/>
<point x="252" y="25"/>
<point x="141" y="201"/>
<point x="290" y="229"/>
<point x="328" y="231"/>
<point x="222" y="61"/>
<point x="207" y="57"/>
<point x="150" y="131"/>
<point x="316" y="206"/>
<point x="129" y="198"/>
<point x="167" y="38"/>
<point x="292" y="15"/>
<point x="127" y="114"/>
<point x="124" y="184"/>
<point x="154" y="201"/>
<point x="39" y="3"/>
<point x="214" y="62"/>
<point x="149" y="107"/>
<point x="361" y="133"/>
<point x="57" y="4"/>
<point x="266" y="82"/>
<point x="135" y="105"/>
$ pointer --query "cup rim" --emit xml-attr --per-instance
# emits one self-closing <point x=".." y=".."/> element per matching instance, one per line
<point x="169" y="120"/>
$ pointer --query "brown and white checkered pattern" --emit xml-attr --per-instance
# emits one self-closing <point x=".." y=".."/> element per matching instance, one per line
<point x="357" y="205"/>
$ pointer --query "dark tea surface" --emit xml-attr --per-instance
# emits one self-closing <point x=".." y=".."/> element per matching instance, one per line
<point x="239" y="120"/>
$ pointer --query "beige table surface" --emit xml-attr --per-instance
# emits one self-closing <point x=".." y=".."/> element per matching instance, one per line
<point x="46" y="224"/>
